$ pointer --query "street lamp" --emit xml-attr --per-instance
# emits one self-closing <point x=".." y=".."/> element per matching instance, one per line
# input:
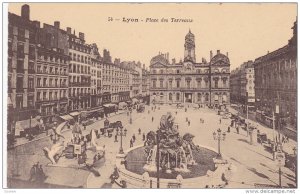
<point x="121" y="134"/>
<point x="130" y="117"/>
<point x="219" y="136"/>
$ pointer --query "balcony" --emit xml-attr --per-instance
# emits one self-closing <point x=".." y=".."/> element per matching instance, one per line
<point x="20" y="70"/>
<point x="30" y="89"/>
<point x="79" y="84"/>
<point x="63" y="85"/>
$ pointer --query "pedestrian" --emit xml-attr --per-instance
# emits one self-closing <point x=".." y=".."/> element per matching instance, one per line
<point x="40" y="174"/>
<point x="139" y="131"/>
<point x="33" y="173"/>
<point x="176" y="112"/>
<point x="152" y="119"/>
<point x="116" y="138"/>
<point x="144" y="137"/>
<point x="189" y="123"/>
<point x="133" y="138"/>
<point x="131" y="143"/>
<point x="283" y="139"/>
<point x="186" y="119"/>
<point x="220" y="120"/>
<point x="228" y="130"/>
<point x="237" y="130"/>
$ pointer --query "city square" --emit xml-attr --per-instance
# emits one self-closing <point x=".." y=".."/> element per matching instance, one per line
<point x="236" y="147"/>
<point x="203" y="114"/>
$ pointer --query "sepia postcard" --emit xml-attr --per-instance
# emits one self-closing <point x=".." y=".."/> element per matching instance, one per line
<point x="150" y="95"/>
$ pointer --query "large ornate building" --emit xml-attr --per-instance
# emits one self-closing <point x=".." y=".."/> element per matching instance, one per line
<point x="205" y="83"/>
<point x="276" y="83"/>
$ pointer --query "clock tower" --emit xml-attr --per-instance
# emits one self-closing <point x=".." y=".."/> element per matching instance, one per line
<point x="189" y="48"/>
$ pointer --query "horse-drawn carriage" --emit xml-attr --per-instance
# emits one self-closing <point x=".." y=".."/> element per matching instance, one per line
<point x="109" y="127"/>
<point x="140" y="108"/>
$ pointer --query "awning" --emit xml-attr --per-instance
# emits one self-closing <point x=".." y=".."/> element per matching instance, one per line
<point x="66" y="117"/>
<point x="122" y="104"/>
<point x="135" y="100"/>
<point x="25" y="124"/>
<point x="109" y="105"/>
<point x="74" y="114"/>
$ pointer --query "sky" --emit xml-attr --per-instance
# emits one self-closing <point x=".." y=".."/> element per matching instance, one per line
<point x="244" y="30"/>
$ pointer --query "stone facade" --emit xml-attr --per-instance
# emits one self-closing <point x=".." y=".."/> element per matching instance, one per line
<point x="242" y="84"/>
<point x="276" y="81"/>
<point x="205" y="83"/>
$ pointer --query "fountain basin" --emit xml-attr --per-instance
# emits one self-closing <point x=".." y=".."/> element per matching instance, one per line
<point x="205" y="173"/>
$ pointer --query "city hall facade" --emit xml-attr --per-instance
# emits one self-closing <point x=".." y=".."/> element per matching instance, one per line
<point x="189" y="82"/>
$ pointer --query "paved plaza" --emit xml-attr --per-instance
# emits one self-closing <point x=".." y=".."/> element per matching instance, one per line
<point x="251" y="164"/>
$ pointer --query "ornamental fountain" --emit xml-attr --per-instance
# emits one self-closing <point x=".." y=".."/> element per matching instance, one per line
<point x="169" y="160"/>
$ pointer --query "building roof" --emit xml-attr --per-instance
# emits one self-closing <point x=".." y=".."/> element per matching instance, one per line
<point x="159" y="59"/>
<point x="189" y="35"/>
<point x="220" y="57"/>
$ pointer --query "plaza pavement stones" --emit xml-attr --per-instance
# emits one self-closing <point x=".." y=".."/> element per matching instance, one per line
<point x="252" y="163"/>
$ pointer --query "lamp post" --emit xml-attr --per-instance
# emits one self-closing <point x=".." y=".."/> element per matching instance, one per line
<point x="121" y="134"/>
<point x="157" y="156"/>
<point x="130" y="117"/>
<point x="219" y="136"/>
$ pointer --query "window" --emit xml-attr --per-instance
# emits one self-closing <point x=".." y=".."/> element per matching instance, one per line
<point x="170" y="83"/>
<point x="20" y="66"/>
<point x="178" y="83"/>
<point x="170" y="96"/>
<point x="224" y="81"/>
<point x="188" y="84"/>
<point x="206" y="97"/>
<point x="199" y="97"/>
<point x="177" y="71"/>
<point x="19" y="102"/>
<point x="30" y="83"/>
<point x="21" y="34"/>
<point x="199" y="83"/>
<point x="177" y="96"/>
<point x="161" y="83"/>
<point x="31" y="53"/>
<point x="30" y="101"/>
<point x="21" y="51"/>
<point x="38" y="82"/>
<point x="216" y="83"/>
<point x="154" y="83"/>
<point x="38" y="96"/>
<point x="19" y="84"/>
<point x="45" y="82"/>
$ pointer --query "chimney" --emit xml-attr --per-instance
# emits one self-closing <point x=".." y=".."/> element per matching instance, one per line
<point x="168" y="56"/>
<point x="227" y="54"/>
<point x="143" y="66"/>
<point x="173" y="61"/>
<point x="69" y="30"/>
<point x="218" y="52"/>
<point x="25" y="12"/>
<point x="211" y="54"/>
<point x="56" y="24"/>
<point x="37" y="24"/>
<point x="81" y="35"/>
